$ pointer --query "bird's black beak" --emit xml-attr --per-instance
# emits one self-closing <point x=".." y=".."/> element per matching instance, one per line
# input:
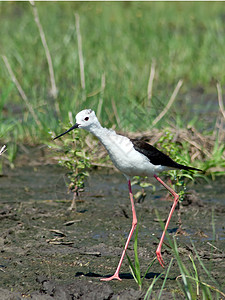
<point x="73" y="127"/>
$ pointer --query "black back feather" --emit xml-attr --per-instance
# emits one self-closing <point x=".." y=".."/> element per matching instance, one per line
<point x="157" y="157"/>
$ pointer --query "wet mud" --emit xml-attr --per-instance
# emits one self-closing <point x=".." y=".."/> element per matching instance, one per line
<point x="49" y="252"/>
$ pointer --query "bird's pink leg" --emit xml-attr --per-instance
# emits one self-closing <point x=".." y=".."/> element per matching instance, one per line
<point x="176" y="198"/>
<point x="134" y="224"/>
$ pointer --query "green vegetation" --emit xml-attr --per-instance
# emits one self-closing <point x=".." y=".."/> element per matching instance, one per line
<point x="190" y="284"/>
<point x="150" y="289"/>
<point x="135" y="268"/>
<point x="70" y="154"/>
<point x="92" y="55"/>
<point x="120" y="41"/>
<point x="154" y="67"/>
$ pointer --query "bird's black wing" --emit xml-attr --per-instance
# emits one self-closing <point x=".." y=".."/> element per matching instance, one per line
<point x="157" y="157"/>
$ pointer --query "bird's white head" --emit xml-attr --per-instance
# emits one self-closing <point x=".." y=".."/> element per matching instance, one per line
<point x="85" y="119"/>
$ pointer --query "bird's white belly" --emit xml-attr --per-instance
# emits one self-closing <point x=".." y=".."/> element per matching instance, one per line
<point x="128" y="160"/>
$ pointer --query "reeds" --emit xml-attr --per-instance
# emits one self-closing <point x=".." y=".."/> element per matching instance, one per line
<point x="169" y="104"/>
<point x="53" y="90"/>
<point x="80" y="51"/>
<point x="21" y="91"/>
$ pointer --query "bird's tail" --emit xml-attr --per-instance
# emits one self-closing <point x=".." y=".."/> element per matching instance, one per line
<point x="179" y="166"/>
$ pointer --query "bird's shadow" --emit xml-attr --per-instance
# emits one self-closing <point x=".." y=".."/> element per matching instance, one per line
<point x="149" y="275"/>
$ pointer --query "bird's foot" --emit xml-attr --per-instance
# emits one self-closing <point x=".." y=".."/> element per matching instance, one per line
<point x="115" y="276"/>
<point x="159" y="257"/>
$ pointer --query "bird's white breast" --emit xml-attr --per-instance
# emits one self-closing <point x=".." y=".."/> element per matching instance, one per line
<point x="125" y="157"/>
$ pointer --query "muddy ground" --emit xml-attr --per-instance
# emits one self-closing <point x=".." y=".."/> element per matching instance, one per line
<point x="49" y="252"/>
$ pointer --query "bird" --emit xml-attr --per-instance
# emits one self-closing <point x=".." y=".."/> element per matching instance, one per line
<point x="131" y="157"/>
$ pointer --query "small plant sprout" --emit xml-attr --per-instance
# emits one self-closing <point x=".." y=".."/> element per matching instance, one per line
<point x="11" y="153"/>
<point x="74" y="158"/>
<point x="135" y="268"/>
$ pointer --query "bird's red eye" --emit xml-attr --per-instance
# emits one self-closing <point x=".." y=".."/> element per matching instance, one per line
<point x="86" y="119"/>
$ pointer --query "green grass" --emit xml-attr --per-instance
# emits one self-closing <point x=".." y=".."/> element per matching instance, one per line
<point x="71" y="155"/>
<point x="190" y="284"/>
<point x="135" y="268"/>
<point x="119" y="40"/>
<point x="119" y="43"/>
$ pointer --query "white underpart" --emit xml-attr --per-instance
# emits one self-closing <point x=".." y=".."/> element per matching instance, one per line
<point x="120" y="148"/>
<point x="124" y="156"/>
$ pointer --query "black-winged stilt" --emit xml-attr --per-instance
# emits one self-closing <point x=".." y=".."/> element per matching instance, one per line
<point x="133" y="158"/>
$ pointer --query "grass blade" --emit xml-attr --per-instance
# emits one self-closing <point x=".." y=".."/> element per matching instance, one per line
<point x="184" y="273"/>
<point x="196" y="275"/>
<point x="149" y="291"/>
<point x="136" y="260"/>
<point x="203" y="266"/>
<point x="21" y="91"/>
<point x="132" y="268"/>
<point x="152" y="262"/>
<point x="54" y="90"/>
<point x="164" y="281"/>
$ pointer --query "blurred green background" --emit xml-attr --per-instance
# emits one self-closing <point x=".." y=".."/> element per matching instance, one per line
<point x="120" y="40"/>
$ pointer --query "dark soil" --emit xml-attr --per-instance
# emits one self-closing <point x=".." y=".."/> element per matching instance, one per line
<point x="49" y="252"/>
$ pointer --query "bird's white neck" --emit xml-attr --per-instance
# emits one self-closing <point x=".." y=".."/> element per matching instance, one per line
<point x="103" y="134"/>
